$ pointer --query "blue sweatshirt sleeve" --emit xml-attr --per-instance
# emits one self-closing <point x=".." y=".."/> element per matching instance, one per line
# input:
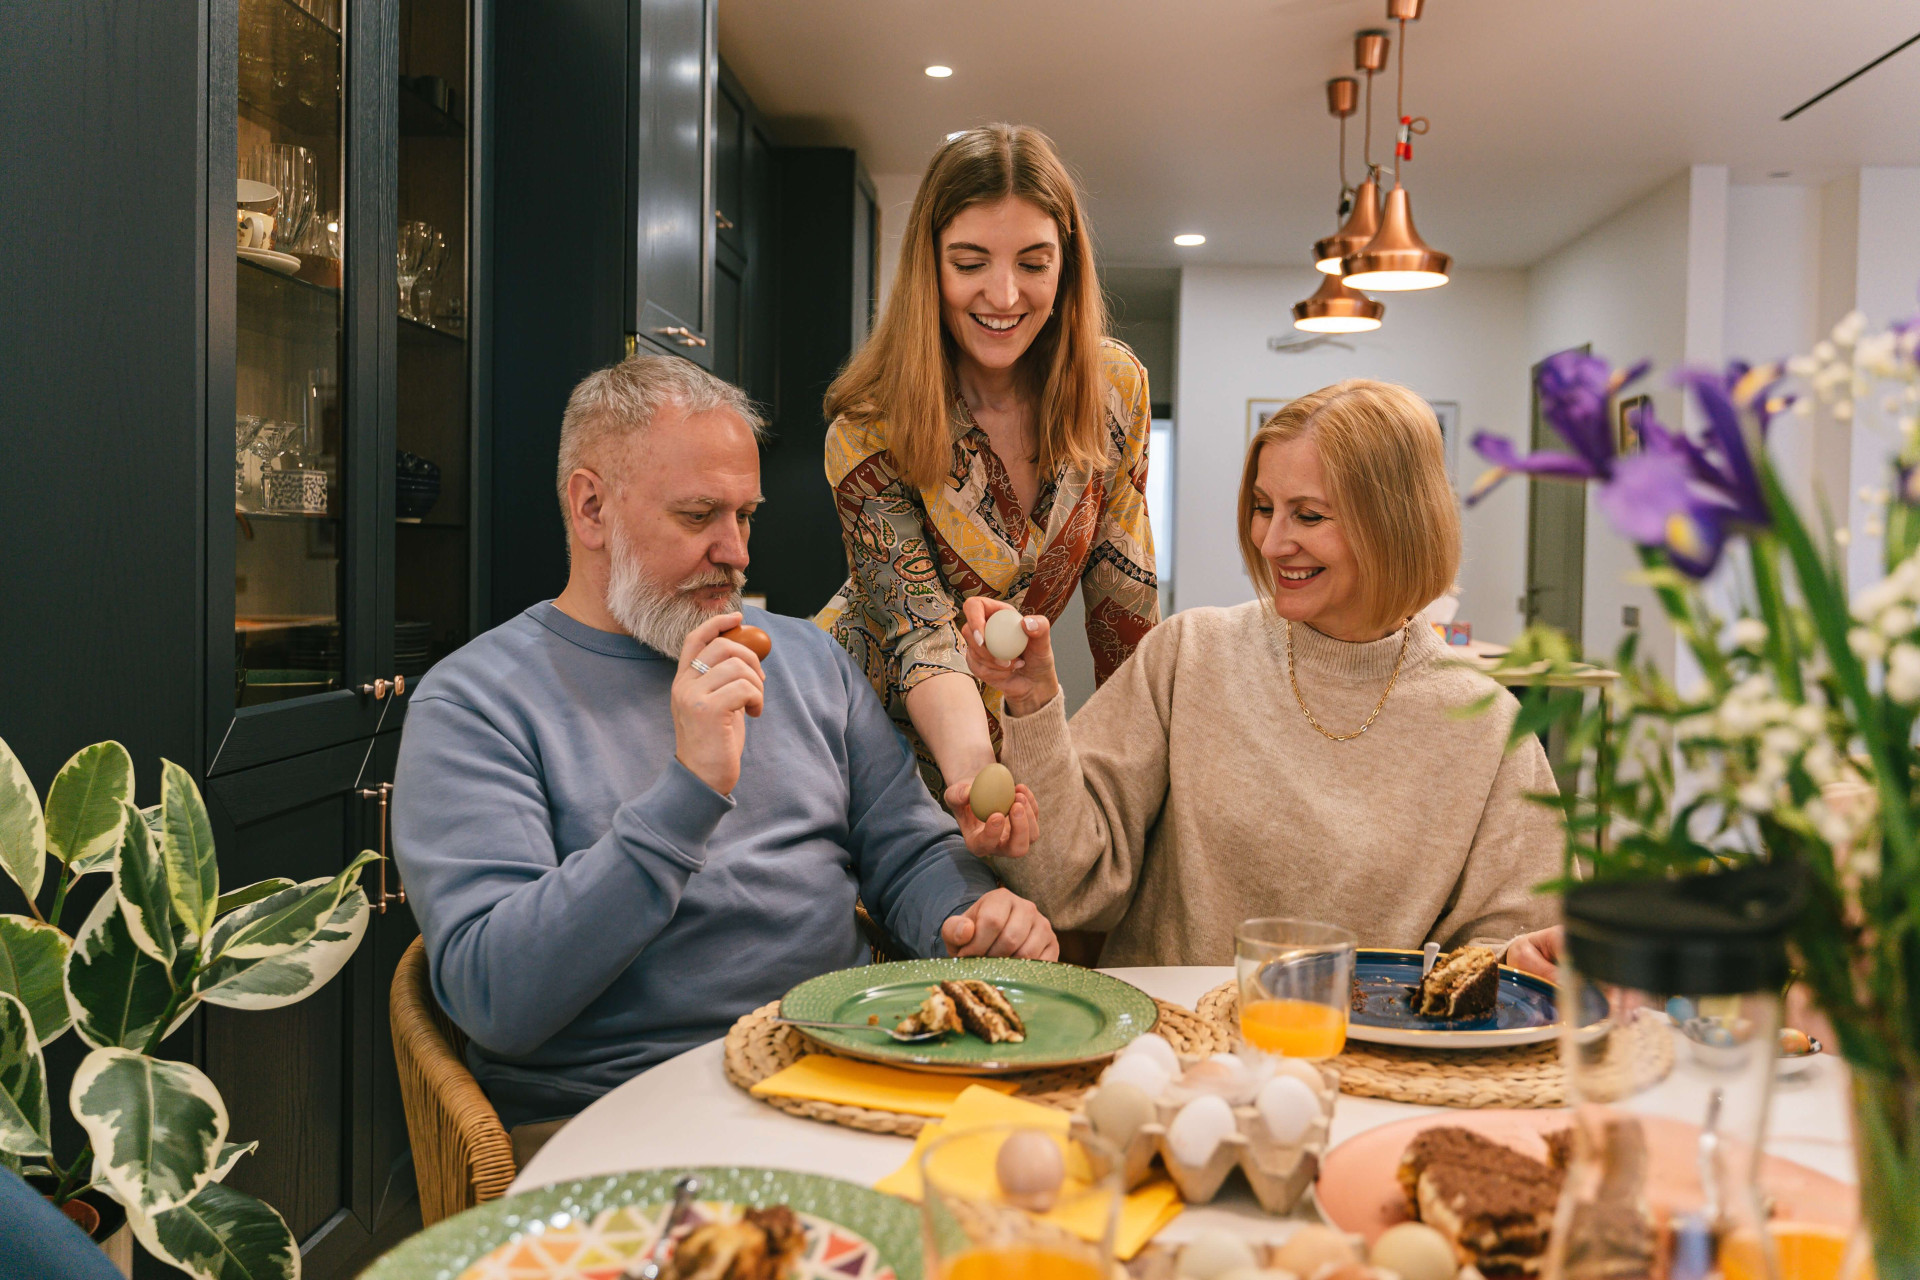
<point x="914" y="869"/>
<point x="522" y="936"/>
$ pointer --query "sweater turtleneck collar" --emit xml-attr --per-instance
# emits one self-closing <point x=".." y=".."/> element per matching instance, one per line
<point x="1346" y="662"/>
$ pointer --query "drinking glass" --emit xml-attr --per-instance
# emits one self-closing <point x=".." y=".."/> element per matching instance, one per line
<point x="410" y="251"/>
<point x="975" y="1231"/>
<point x="245" y="427"/>
<point x="429" y="276"/>
<point x="1296" y="985"/>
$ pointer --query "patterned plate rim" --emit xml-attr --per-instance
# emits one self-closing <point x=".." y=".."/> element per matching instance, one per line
<point x="1112" y="994"/>
<point x="446" y="1249"/>
<point x="1498" y="1038"/>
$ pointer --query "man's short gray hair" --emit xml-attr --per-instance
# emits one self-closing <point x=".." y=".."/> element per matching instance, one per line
<point x="622" y="400"/>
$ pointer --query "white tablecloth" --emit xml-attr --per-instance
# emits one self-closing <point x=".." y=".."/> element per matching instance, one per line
<point x="684" y="1112"/>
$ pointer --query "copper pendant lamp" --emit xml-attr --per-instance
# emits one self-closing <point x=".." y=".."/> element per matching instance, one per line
<point x="1363" y="220"/>
<point x="1334" y="308"/>
<point x="1397" y="258"/>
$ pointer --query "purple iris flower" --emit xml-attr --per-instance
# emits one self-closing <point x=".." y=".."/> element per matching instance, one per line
<point x="1723" y="459"/>
<point x="1576" y="390"/>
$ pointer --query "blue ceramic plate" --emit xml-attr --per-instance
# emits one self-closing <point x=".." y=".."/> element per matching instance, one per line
<point x="1527" y="1010"/>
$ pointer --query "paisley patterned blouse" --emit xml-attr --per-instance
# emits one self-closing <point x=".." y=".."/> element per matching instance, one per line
<point x="917" y="554"/>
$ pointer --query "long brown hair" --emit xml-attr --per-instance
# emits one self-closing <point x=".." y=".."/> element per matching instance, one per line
<point x="903" y="375"/>
<point x="1386" y="470"/>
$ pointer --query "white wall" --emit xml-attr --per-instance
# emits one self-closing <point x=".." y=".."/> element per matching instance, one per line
<point x="1464" y="342"/>
<point x="1622" y="286"/>
<point x="1886" y="274"/>
<point x="894" y="192"/>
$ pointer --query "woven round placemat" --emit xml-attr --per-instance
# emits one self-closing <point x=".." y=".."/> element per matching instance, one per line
<point x="1527" y="1076"/>
<point x="757" y="1047"/>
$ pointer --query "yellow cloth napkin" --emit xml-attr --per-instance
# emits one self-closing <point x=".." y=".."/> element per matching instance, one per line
<point x="820" y="1077"/>
<point x="1143" y="1214"/>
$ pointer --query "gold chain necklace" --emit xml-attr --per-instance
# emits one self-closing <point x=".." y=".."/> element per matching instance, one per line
<point x="1406" y="634"/>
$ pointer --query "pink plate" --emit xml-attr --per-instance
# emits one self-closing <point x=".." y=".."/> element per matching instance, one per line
<point x="1358" y="1190"/>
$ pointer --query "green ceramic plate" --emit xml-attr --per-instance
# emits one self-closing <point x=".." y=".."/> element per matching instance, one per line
<point x="1071" y="1014"/>
<point x="593" y="1227"/>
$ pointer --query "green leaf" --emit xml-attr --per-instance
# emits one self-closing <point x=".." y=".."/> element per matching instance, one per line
<point x="292" y="975"/>
<point x="221" y="1234"/>
<point x="157" y="1127"/>
<point x="23" y="1084"/>
<point x="186" y="842"/>
<point x="281" y="921"/>
<point x="87" y="805"/>
<point x="23" y="828"/>
<point x="251" y="893"/>
<point x="116" y="992"/>
<point x="32" y="958"/>
<point x="229" y="1156"/>
<point x="140" y="879"/>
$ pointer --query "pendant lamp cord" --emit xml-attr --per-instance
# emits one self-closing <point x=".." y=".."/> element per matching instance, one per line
<point x="1344" y="188"/>
<point x="1366" y="139"/>
<point x="1403" y="144"/>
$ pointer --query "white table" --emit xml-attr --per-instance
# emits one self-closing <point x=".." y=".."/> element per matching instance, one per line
<point x="684" y="1112"/>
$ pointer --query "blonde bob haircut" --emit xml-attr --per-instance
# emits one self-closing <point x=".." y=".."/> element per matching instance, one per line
<point x="1385" y="466"/>
<point x="903" y="375"/>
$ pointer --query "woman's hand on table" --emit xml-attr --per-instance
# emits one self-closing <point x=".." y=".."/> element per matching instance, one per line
<point x="1028" y="682"/>
<point x="1001" y="923"/>
<point x="1002" y="835"/>
<point x="1537" y="952"/>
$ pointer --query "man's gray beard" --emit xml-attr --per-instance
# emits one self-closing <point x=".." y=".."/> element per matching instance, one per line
<point x="661" y="618"/>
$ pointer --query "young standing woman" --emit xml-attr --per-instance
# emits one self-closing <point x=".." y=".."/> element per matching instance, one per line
<point x="989" y="442"/>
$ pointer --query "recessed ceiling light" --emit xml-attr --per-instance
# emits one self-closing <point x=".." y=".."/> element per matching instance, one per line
<point x="939" y="72"/>
<point x="956" y="134"/>
<point x="1190" y="239"/>
<point x="1780" y="173"/>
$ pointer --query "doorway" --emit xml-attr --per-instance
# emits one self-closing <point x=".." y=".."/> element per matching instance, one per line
<point x="1556" y="537"/>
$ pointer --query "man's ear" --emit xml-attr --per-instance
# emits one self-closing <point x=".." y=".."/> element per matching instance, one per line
<point x="587" y="495"/>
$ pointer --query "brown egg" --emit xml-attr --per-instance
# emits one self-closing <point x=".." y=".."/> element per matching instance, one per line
<point x="1313" y="1248"/>
<point x="1794" y="1041"/>
<point x="1030" y="1169"/>
<point x="753" y="638"/>
<point x="992" y="791"/>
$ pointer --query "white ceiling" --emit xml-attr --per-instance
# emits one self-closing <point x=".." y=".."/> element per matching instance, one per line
<point x="1210" y="116"/>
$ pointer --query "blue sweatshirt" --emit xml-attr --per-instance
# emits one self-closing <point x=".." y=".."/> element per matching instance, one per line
<point x="590" y="907"/>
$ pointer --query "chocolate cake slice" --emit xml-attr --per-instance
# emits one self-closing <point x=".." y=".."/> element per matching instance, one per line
<point x="985" y="1011"/>
<point x="936" y="1013"/>
<point x="1463" y="984"/>
<point x="1495" y="1204"/>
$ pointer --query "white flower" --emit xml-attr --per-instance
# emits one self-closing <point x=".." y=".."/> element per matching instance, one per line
<point x="1750" y="633"/>
<point x="1755" y="797"/>
<point x="1782" y="740"/>
<point x="1824" y="352"/>
<point x="1843" y="410"/>
<point x="1822" y="762"/>
<point x="1866" y="645"/>
<point x="1803" y="366"/>
<point x="1903" y="674"/>
<point x="1871" y="602"/>
<point x="1894" y="622"/>
<point x="1808" y="720"/>
<point x="1874" y="528"/>
<point x="1848" y="331"/>
<point x="1842" y="536"/>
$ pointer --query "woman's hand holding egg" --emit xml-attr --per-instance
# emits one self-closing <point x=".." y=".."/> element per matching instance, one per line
<point x="1025" y="676"/>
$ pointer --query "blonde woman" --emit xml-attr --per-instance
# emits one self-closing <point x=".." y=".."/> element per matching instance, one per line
<point x="988" y="442"/>
<point x="1302" y="754"/>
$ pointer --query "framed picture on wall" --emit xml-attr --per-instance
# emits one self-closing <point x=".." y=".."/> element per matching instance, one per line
<point x="1258" y="411"/>
<point x="1627" y="432"/>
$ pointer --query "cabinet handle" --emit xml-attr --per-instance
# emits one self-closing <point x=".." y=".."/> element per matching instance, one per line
<point x="382" y="796"/>
<point x="722" y="220"/>
<point x="381" y="688"/>
<point x="683" y="335"/>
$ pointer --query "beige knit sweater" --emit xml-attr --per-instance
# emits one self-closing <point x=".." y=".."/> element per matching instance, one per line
<point x="1190" y="793"/>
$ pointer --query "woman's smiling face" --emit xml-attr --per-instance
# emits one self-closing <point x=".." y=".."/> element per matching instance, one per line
<point x="999" y="273"/>
<point x="1316" y="578"/>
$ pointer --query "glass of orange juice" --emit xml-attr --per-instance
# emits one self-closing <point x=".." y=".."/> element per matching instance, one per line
<point x="1296" y="980"/>
<point x="991" y="1209"/>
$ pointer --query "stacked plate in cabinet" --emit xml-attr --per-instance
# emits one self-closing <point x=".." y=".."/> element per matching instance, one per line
<point x="412" y="648"/>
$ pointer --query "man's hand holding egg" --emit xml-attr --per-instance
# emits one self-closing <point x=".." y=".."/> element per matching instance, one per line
<point x="997" y="817"/>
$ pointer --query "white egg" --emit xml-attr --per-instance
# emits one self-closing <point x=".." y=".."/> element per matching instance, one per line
<point x="1416" y="1251"/>
<point x="1118" y="1110"/>
<point x="1212" y="1255"/>
<point x="1305" y="1072"/>
<point x="1289" y="1109"/>
<point x="1005" y="635"/>
<point x="1199" y="1128"/>
<point x="1030" y="1169"/>
<point x="1140" y="1071"/>
<point x="1313" y="1247"/>
<point x="1154" y="1045"/>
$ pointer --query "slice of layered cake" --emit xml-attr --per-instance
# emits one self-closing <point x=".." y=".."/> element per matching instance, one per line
<point x="1495" y="1204"/>
<point x="967" y="1004"/>
<point x="1461" y="984"/>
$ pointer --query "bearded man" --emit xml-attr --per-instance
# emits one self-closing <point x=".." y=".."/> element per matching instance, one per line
<point x="619" y="829"/>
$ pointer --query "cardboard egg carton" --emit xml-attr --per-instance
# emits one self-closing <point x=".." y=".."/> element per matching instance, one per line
<point x="1278" y="1172"/>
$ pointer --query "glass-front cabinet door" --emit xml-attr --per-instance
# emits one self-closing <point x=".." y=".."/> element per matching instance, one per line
<point x="289" y="442"/>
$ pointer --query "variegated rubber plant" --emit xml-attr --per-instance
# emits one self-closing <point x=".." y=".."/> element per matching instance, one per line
<point x="161" y="941"/>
